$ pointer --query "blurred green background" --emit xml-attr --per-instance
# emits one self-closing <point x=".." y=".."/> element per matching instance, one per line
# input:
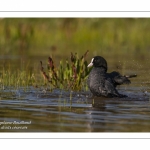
<point x="60" y="36"/>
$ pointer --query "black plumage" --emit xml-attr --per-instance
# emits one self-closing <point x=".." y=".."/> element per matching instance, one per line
<point x="102" y="83"/>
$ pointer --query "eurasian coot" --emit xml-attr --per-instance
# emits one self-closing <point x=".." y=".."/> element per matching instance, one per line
<point x="102" y="83"/>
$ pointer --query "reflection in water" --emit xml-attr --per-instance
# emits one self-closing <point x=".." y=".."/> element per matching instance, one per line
<point x="48" y="112"/>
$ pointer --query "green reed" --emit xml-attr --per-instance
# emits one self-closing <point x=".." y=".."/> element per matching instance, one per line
<point x="16" y="79"/>
<point x="70" y="75"/>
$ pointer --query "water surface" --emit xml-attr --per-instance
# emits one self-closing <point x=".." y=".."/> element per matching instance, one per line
<point x="39" y="110"/>
<point x="61" y="111"/>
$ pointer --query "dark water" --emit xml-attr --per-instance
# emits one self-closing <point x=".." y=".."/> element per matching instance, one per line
<point x="60" y="111"/>
<point x="39" y="110"/>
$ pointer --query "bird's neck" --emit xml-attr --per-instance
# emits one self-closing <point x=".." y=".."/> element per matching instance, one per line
<point x="101" y="68"/>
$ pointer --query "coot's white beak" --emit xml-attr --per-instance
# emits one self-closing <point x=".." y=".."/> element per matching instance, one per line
<point x="91" y="64"/>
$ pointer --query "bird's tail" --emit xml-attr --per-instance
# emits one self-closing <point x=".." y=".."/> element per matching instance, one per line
<point x="130" y="76"/>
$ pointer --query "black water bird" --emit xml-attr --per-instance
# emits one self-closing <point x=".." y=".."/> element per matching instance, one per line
<point x="102" y="83"/>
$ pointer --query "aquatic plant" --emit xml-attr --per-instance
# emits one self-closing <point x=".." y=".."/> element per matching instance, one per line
<point x="16" y="79"/>
<point x="69" y="76"/>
